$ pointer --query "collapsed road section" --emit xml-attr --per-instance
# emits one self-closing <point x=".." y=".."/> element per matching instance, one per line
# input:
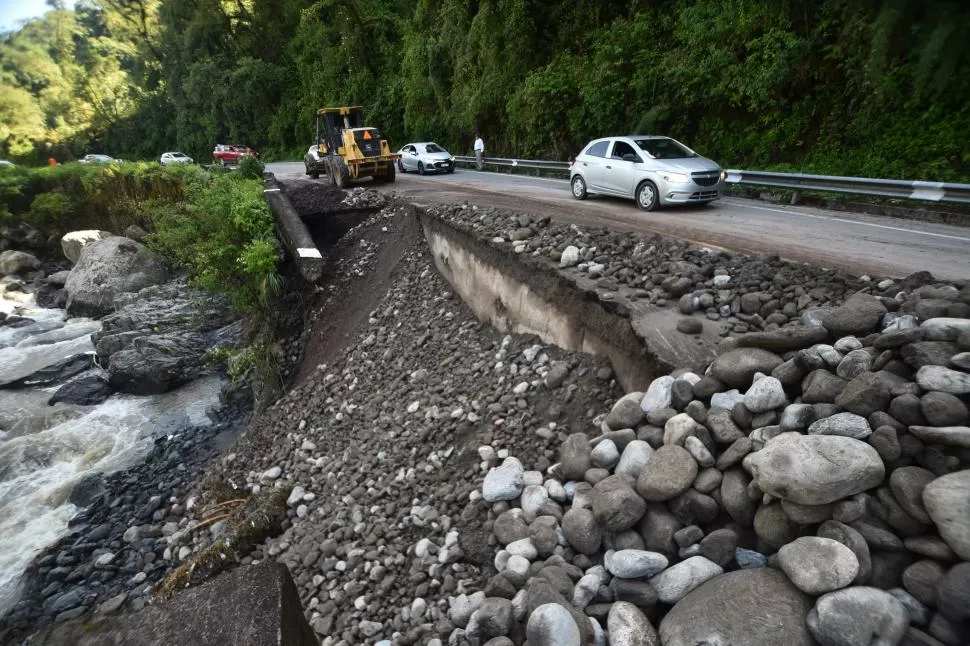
<point x="656" y="443"/>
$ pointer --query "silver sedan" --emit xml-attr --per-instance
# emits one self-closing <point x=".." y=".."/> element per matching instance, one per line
<point x="654" y="171"/>
<point x="425" y="157"/>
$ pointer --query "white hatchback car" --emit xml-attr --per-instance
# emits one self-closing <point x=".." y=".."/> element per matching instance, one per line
<point x="174" y="158"/>
<point x="425" y="157"/>
<point x="654" y="171"/>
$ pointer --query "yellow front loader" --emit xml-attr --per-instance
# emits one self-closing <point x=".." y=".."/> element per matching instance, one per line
<point x="351" y="149"/>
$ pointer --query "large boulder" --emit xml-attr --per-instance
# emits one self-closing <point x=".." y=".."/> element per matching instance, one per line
<point x="757" y="607"/>
<point x="107" y="268"/>
<point x="86" y="390"/>
<point x="17" y="262"/>
<point x="815" y="469"/>
<point x="858" y="315"/>
<point x="157" y="338"/>
<point x="20" y="235"/>
<point x="157" y="364"/>
<point x="72" y="243"/>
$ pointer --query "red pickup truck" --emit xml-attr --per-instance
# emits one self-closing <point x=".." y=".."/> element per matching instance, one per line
<point x="228" y="155"/>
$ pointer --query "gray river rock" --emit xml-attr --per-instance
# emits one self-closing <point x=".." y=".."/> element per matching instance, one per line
<point x="107" y="268"/>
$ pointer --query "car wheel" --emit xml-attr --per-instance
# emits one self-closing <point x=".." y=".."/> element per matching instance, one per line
<point x="314" y="175"/>
<point x="646" y="195"/>
<point x="579" y="188"/>
<point x="400" y="166"/>
<point x="451" y="170"/>
<point x="420" y="168"/>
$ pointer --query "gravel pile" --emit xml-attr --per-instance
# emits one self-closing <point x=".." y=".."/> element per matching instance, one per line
<point x="380" y="445"/>
<point x="744" y="293"/>
<point x="813" y="484"/>
<point x="313" y="196"/>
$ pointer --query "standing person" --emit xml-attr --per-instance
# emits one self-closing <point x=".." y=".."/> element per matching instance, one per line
<point x="479" y="151"/>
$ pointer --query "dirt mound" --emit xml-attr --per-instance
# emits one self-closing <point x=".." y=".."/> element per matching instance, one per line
<point x="313" y="196"/>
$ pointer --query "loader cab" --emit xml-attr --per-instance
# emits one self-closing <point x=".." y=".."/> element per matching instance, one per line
<point x="331" y="122"/>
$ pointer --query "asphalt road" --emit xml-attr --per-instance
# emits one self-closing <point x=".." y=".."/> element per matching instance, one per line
<point x="857" y="243"/>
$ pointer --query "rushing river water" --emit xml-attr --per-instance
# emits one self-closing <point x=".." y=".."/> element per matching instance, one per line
<point x="45" y="450"/>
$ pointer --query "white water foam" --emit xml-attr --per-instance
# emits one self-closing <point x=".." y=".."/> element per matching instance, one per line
<point x="45" y="451"/>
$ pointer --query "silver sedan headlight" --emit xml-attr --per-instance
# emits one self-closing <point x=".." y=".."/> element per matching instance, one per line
<point x="676" y="178"/>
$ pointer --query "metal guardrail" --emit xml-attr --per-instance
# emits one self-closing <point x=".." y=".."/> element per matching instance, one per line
<point x="905" y="189"/>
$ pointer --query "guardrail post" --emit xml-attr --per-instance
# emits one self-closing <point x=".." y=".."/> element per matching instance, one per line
<point x="795" y="197"/>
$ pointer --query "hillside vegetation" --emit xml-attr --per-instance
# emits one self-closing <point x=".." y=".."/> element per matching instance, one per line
<point x="832" y="86"/>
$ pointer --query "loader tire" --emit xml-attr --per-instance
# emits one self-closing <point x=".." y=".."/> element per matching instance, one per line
<point x="390" y="175"/>
<point x="340" y="173"/>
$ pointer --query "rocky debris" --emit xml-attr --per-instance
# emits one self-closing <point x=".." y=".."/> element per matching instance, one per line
<point x="828" y="472"/>
<point x="108" y="268"/>
<point x="362" y="197"/>
<point x="308" y="196"/>
<point x="157" y="338"/>
<point x="393" y="439"/>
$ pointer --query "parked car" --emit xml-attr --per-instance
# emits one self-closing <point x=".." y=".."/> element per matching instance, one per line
<point x="652" y="170"/>
<point x="6" y="164"/>
<point x="174" y="158"/>
<point x="314" y="162"/>
<point x="229" y="154"/>
<point x="99" y="159"/>
<point x="425" y="157"/>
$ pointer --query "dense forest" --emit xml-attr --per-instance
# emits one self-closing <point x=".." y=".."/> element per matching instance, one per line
<point x="858" y="87"/>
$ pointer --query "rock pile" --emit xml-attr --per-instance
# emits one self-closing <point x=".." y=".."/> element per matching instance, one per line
<point x="813" y="486"/>
<point x="380" y="444"/>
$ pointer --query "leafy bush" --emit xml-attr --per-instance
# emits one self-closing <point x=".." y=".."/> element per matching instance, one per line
<point x="223" y="234"/>
<point x="13" y="182"/>
<point x="251" y="168"/>
<point x="51" y="210"/>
